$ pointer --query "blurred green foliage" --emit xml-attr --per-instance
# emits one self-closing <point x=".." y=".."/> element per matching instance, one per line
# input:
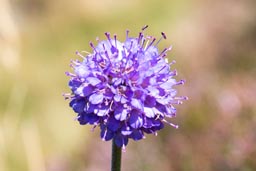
<point x="214" y="46"/>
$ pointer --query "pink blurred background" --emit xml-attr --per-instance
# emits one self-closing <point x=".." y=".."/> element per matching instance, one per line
<point x="213" y="45"/>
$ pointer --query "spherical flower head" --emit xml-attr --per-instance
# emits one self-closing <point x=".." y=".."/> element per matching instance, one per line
<point x="126" y="88"/>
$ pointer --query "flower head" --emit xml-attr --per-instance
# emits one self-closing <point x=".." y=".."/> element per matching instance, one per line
<point x="126" y="88"/>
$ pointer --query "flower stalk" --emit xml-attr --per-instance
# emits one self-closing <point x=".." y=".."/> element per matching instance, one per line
<point x="116" y="157"/>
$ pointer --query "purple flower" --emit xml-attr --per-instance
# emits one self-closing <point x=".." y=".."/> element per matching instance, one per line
<point x="127" y="89"/>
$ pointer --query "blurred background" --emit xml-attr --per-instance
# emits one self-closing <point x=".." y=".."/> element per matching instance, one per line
<point x="214" y="46"/>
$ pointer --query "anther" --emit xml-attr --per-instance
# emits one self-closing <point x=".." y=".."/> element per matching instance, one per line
<point x="144" y="28"/>
<point x="103" y="45"/>
<point x="108" y="36"/>
<point x="181" y="82"/>
<point x="163" y="34"/>
<point x="92" y="46"/>
<point x="140" y="37"/>
<point x="115" y="36"/>
<point x="174" y="73"/>
<point x="106" y="53"/>
<point x="127" y="33"/>
<point x="164" y="55"/>
<point x="173" y="62"/>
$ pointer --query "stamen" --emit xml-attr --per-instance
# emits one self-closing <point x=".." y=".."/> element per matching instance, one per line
<point x="115" y="36"/>
<point x="157" y="116"/>
<point x="140" y="37"/>
<point x="76" y="118"/>
<point x="181" y="98"/>
<point x="144" y="28"/>
<point x="68" y="97"/>
<point x="93" y="47"/>
<point x="67" y="94"/>
<point x="79" y="54"/>
<point x="158" y="41"/>
<point x="173" y="62"/>
<point x="127" y="33"/>
<point x="164" y="55"/>
<point x="181" y="82"/>
<point x="105" y="133"/>
<point x="165" y="50"/>
<point x="173" y="73"/>
<point x="163" y="34"/>
<point x="111" y="103"/>
<point x="91" y="44"/>
<point x="75" y="62"/>
<point x="170" y="48"/>
<point x="88" y="53"/>
<point x="177" y="102"/>
<point x="169" y="123"/>
<point x="108" y="36"/>
<point x="103" y="45"/>
<point x="180" y="102"/>
<point x="143" y="42"/>
<point x="161" y="69"/>
<point x="106" y="53"/>
<point x="70" y="74"/>
<point x="94" y="126"/>
<point x="147" y="46"/>
<point x="129" y="50"/>
<point x="163" y="37"/>
<point x="97" y="39"/>
<point x="123" y="148"/>
<point x="72" y="65"/>
<point x="102" y="64"/>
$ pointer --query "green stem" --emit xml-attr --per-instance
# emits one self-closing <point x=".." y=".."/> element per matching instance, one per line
<point x="116" y="157"/>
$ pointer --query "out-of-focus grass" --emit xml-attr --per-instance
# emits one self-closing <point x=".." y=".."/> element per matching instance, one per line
<point x="37" y="130"/>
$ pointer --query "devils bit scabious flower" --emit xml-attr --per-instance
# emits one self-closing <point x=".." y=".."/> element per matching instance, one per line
<point x="127" y="89"/>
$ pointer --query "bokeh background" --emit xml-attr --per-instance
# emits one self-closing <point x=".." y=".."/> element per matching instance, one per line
<point x="214" y="44"/>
